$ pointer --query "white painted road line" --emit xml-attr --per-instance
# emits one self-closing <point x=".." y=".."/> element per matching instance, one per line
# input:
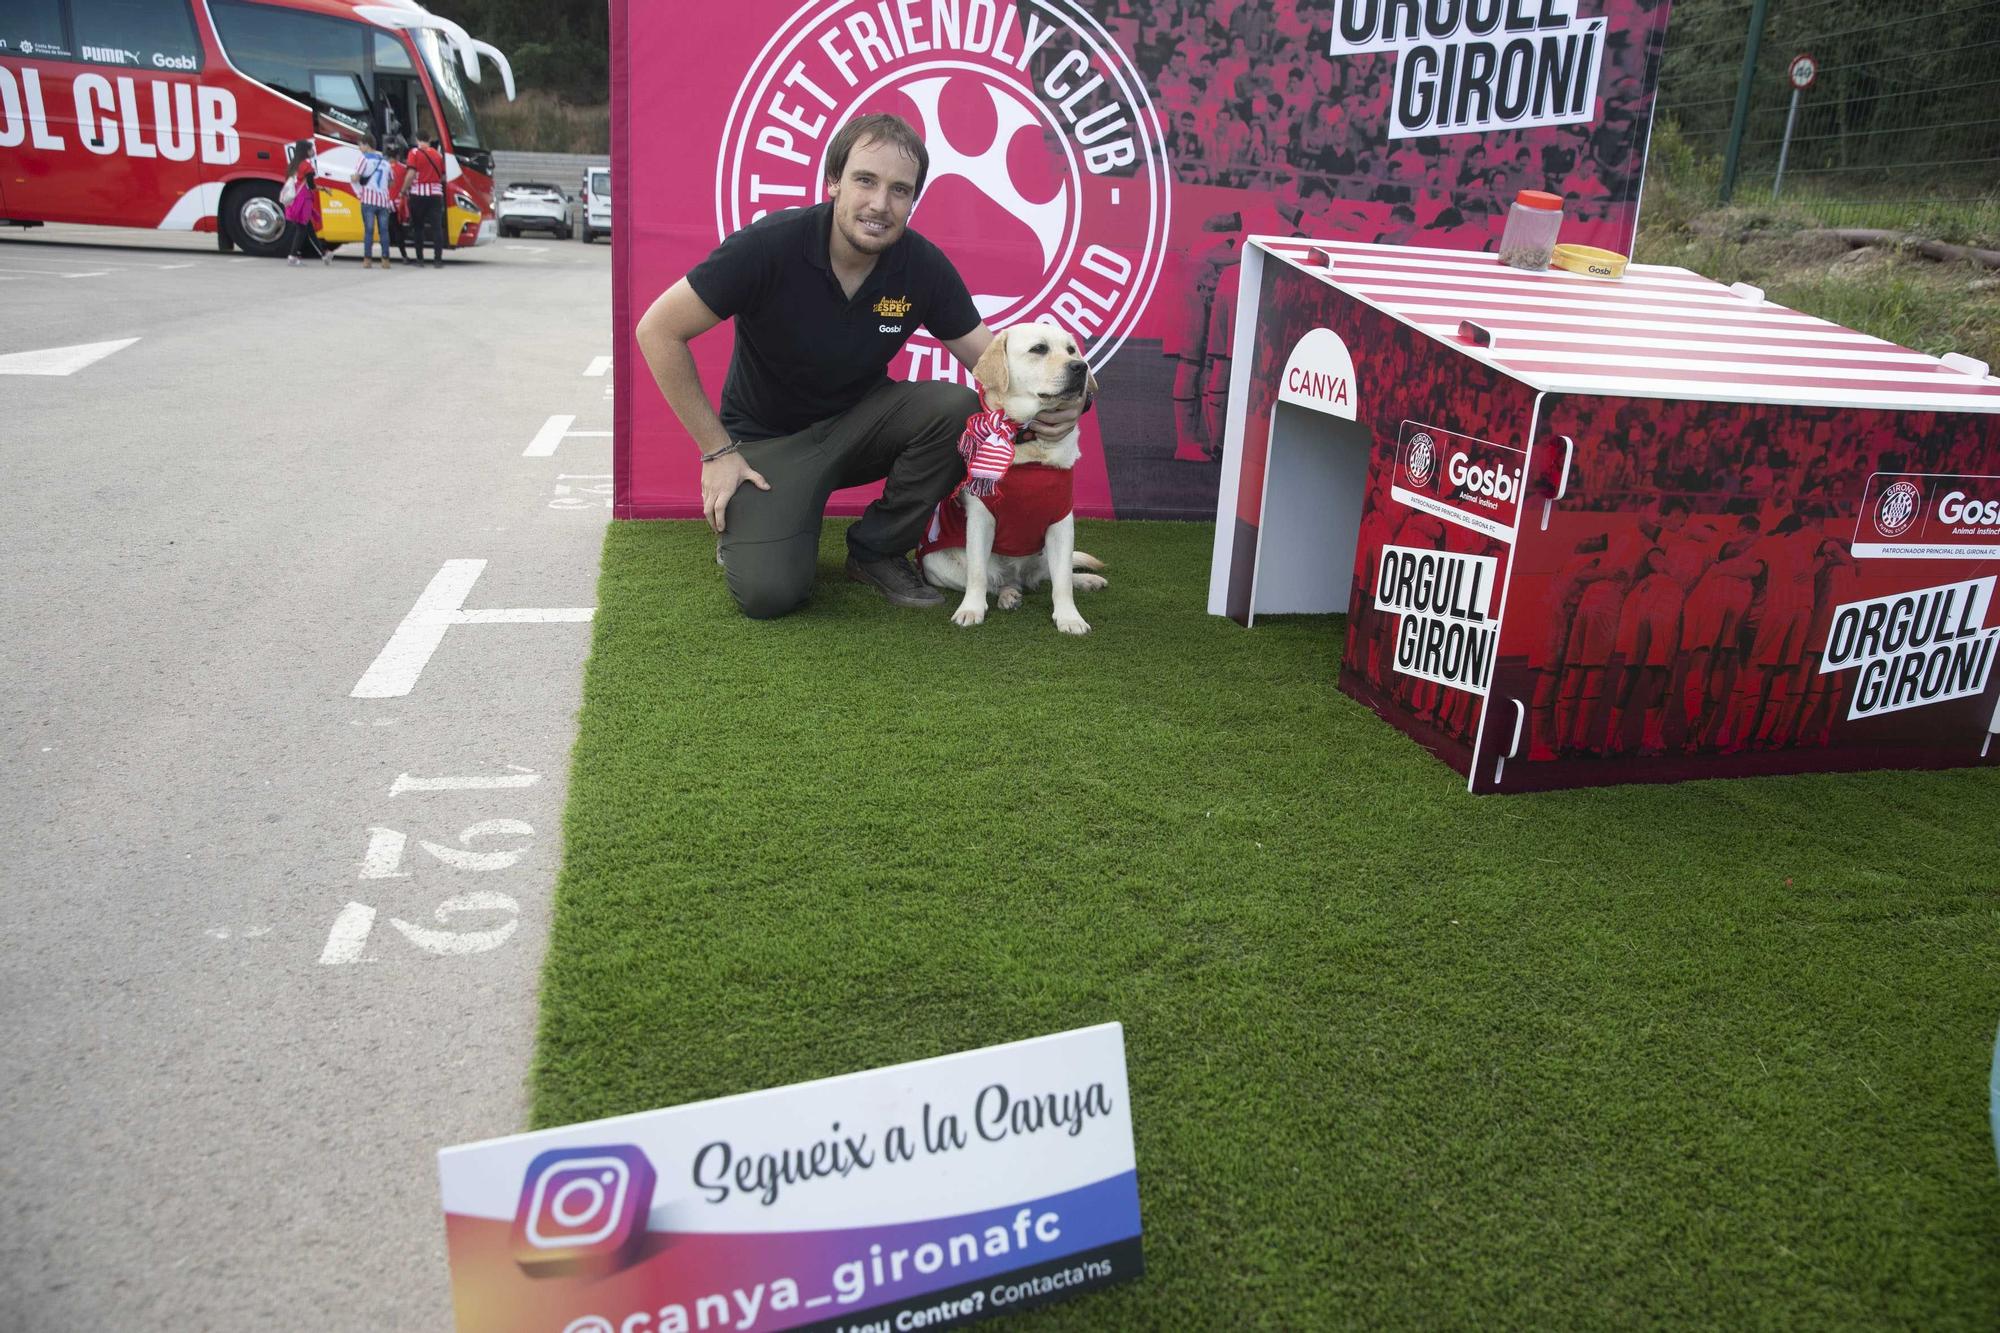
<point x="46" y="273"/>
<point x="464" y="858"/>
<point x="35" y="252"/>
<point x="525" y="615"/>
<point x="63" y="259"/>
<point x="599" y="365"/>
<point x="349" y="935"/>
<point x="60" y="360"/>
<point x="548" y="437"/>
<point x="520" y="777"/>
<point x="394" y="672"/>
<point x="385" y="853"/>
<point x="554" y="431"/>
<point x="451" y="942"/>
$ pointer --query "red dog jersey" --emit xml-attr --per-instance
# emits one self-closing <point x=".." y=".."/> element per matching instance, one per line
<point x="1033" y="498"/>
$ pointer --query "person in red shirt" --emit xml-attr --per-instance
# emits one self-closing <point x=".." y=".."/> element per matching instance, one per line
<point x="1649" y="623"/>
<point x="1712" y="636"/>
<point x="424" y="186"/>
<point x="1789" y="558"/>
<point x="399" y="218"/>
<point x="1547" y="727"/>
<point x="1588" y="686"/>
<point x="1368" y="628"/>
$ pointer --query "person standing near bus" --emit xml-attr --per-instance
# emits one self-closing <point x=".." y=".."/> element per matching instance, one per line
<point x="371" y="187"/>
<point x="425" y="188"/>
<point x="399" y="225"/>
<point x="302" y="215"/>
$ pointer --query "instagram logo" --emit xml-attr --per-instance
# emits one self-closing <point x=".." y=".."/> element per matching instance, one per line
<point x="583" y="1211"/>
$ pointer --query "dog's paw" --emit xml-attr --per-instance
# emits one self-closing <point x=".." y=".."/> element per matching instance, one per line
<point x="1088" y="582"/>
<point x="1072" y="624"/>
<point x="967" y="614"/>
<point x="1010" y="599"/>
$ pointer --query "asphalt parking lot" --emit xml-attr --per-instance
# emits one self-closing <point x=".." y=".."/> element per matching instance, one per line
<point x="301" y="571"/>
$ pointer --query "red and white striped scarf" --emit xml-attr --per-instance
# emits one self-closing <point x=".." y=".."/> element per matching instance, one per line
<point x="987" y="446"/>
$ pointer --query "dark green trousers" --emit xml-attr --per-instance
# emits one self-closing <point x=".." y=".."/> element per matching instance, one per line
<point x="902" y="433"/>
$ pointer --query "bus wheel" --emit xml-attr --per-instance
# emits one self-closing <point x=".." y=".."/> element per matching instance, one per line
<point x="253" y="220"/>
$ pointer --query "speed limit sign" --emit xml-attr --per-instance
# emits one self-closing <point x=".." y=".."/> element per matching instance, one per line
<point x="1804" y="70"/>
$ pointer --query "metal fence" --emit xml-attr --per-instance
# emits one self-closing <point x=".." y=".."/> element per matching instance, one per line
<point x="1902" y="117"/>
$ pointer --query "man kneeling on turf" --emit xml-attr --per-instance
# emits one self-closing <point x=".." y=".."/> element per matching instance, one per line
<point x="823" y="299"/>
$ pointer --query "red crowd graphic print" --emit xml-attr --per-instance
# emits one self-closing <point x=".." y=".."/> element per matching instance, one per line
<point x="1676" y="614"/>
<point x="1690" y="584"/>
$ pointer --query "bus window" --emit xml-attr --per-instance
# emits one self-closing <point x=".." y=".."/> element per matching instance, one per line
<point x="34" y="28"/>
<point x="288" y="50"/>
<point x="342" y="92"/>
<point x="402" y="110"/>
<point x="153" y="34"/>
<point x="451" y="93"/>
<point x="391" y="55"/>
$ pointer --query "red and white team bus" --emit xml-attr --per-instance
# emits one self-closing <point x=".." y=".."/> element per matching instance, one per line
<point x="182" y="115"/>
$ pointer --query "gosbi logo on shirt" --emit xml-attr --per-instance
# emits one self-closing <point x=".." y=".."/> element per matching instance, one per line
<point x="1043" y="142"/>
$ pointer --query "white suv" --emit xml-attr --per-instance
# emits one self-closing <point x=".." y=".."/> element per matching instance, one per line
<point x="533" y="206"/>
<point x="596" y="203"/>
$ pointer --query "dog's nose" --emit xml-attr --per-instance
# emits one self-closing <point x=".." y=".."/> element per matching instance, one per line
<point x="1076" y="369"/>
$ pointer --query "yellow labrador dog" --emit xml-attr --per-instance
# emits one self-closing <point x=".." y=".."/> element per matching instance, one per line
<point x="1025" y="530"/>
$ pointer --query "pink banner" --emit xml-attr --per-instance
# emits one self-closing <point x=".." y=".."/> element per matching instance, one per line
<point x="1097" y="165"/>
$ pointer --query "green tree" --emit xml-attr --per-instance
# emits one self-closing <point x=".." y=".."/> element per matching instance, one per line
<point x="556" y="46"/>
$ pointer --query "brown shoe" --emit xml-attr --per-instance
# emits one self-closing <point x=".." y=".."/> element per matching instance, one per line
<point x="898" y="580"/>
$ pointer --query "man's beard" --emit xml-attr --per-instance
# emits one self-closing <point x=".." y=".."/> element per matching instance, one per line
<point x="867" y="242"/>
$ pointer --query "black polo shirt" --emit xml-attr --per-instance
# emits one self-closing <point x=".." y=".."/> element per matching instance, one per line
<point x="806" y="351"/>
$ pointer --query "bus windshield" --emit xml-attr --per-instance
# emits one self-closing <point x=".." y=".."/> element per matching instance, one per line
<point x="446" y="77"/>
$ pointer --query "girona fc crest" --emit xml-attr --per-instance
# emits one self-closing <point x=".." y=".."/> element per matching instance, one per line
<point x="1422" y="460"/>
<point x="1897" y="509"/>
<point x="1048" y="185"/>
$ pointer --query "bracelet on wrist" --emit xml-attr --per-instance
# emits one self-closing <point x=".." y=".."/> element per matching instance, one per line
<point x="726" y="450"/>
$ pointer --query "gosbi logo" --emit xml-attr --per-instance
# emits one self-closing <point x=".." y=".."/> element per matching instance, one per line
<point x="1897" y="509"/>
<point x="1960" y="510"/>
<point x="1042" y="141"/>
<point x="893" y="307"/>
<point x="1472" y="479"/>
<point x="1422" y="460"/>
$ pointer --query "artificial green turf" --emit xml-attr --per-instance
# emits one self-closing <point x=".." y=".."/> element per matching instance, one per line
<point x="1713" y="1054"/>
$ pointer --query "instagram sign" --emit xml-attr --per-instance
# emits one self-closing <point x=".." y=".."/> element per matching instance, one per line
<point x="582" y="1211"/>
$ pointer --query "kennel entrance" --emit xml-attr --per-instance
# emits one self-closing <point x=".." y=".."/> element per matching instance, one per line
<point x="1314" y="487"/>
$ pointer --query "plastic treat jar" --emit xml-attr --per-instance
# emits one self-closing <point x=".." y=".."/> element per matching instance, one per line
<point x="1529" y="240"/>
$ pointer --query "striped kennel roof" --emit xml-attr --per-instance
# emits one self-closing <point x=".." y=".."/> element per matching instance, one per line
<point x="1658" y="332"/>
